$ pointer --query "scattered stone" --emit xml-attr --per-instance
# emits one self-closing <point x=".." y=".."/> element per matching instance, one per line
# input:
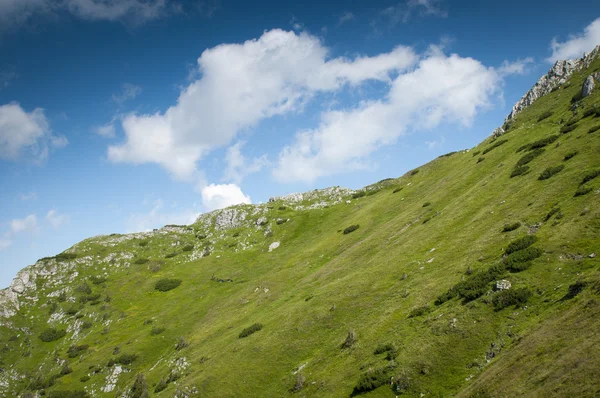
<point x="273" y="246"/>
<point x="431" y="260"/>
<point x="588" y="86"/>
<point x="534" y="228"/>
<point x="593" y="255"/>
<point x="503" y="284"/>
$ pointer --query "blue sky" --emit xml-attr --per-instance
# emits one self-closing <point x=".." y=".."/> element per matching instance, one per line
<point x="123" y="116"/>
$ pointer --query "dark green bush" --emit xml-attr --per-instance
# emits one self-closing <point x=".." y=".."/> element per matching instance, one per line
<point x="97" y="280"/>
<point x="371" y="380"/>
<point x="171" y="255"/>
<point x="381" y="348"/>
<point x="143" y="243"/>
<point x="481" y="159"/>
<point x="419" y="311"/>
<point x="514" y="261"/>
<point x="570" y="155"/>
<point x="568" y="128"/>
<point x="65" y="256"/>
<point x="494" y="145"/>
<point x="544" y="115"/>
<point x="83" y="288"/>
<point x="76" y="350"/>
<point x="476" y="153"/>
<point x="551" y="213"/>
<point x="550" y="171"/>
<point x="86" y="324"/>
<point x="250" y="330"/>
<point x="351" y="228"/>
<point x="181" y="344"/>
<point x="51" y="334"/>
<point x="84" y="379"/>
<point x="574" y="290"/>
<point x="473" y="287"/>
<point x="281" y="221"/>
<point x="529" y="157"/>
<point x="140" y="261"/>
<point x="521" y="244"/>
<point x="511" y="227"/>
<point x="125" y="359"/>
<point x="397" y="190"/>
<point x="594" y="129"/>
<point x="139" y="389"/>
<point x="358" y="194"/>
<point x="414" y="172"/>
<point x="157" y="330"/>
<point x="165" y="285"/>
<point x="590" y="176"/>
<point x="519" y="170"/>
<point x="588" y="112"/>
<point x="161" y="385"/>
<point x="67" y="394"/>
<point x="522" y="148"/>
<point x="71" y="311"/>
<point x="543" y="142"/>
<point x="282" y="208"/>
<point x="583" y="191"/>
<point x="506" y="298"/>
<point x="426" y="204"/>
<point x="188" y="248"/>
<point x="351" y="339"/>
<point x="65" y="370"/>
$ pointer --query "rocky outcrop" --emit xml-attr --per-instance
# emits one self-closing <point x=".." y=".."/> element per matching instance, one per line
<point x="588" y="86"/>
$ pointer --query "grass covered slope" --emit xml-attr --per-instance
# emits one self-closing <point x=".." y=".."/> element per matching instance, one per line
<point x="392" y="293"/>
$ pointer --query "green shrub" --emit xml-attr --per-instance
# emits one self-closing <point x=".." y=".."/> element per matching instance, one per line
<point x="382" y="348"/>
<point x="165" y="285"/>
<point x="139" y="389"/>
<point x="65" y="256"/>
<point x="84" y="379"/>
<point x="588" y="112"/>
<point x="351" y="228"/>
<point x="550" y="171"/>
<point x="522" y="148"/>
<point x="188" y="248"/>
<point x="67" y="394"/>
<point x="426" y="204"/>
<point x="71" y="311"/>
<point x="65" y="370"/>
<point x="521" y="244"/>
<point x="181" y="344"/>
<point x="544" y="115"/>
<point x="481" y="159"/>
<point x="250" y="330"/>
<point x="476" y="153"/>
<point x="371" y="380"/>
<point x="51" y="334"/>
<point x="87" y="324"/>
<point x="125" y="359"/>
<point x="97" y="280"/>
<point x="543" y="142"/>
<point x="473" y="287"/>
<point x="494" y="145"/>
<point x="143" y="243"/>
<point x="171" y="255"/>
<point x="551" y="213"/>
<point x="83" y="288"/>
<point x="594" y="129"/>
<point x="570" y="155"/>
<point x="506" y="298"/>
<point x="568" y="128"/>
<point x="351" y="339"/>
<point x="282" y="208"/>
<point x="140" y="261"/>
<point x="590" y="176"/>
<point x="281" y="221"/>
<point x="161" y="385"/>
<point x="519" y="170"/>
<point x="511" y="227"/>
<point x="414" y="172"/>
<point x="515" y="261"/>
<point x="419" y="311"/>
<point x="574" y="290"/>
<point x="358" y="194"/>
<point x="76" y="350"/>
<point x="397" y="190"/>
<point x="529" y="157"/>
<point x="157" y="330"/>
<point x="583" y="191"/>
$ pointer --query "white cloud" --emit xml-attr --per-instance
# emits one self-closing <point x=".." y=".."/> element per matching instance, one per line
<point x="241" y="85"/>
<point x="27" y="224"/>
<point x="238" y="166"/>
<point x="346" y="17"/>
<point x="5" y="243"/>
<point x="402" y="12"/>
<point x="223" y="195"/>
<point x="576" y="44"/>
<point x="518" y="67"/>
<point x="157" y="218"/>
<point x="6" y="77"/>
<point x="106" y="131"/>
<point x="28" y="196"/>
<point x="441" y="89"/>
<point x="26" y="133"/>
<point x="56" y="219"/>
<point x="15" y="13"/>
<point x="128" y="92"/>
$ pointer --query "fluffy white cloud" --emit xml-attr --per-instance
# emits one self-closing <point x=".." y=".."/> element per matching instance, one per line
<point x="27" y="133"/>
<point x="441" y="88"/>
<point x="238" y="166"/>
<point x="157" y="217"/>
<point x="106" y="131"/>
<point x="577" y="44"/>
<point x="518" y="67"/>
<point x="55" y="218"/>
<point x="128" y="92"/>
<point x="240" y="85"/>
<point x="28" y="196"/>
<point x="27" y="224"/>
<point x="223" y="195"/>
<point x="15" y="13"/>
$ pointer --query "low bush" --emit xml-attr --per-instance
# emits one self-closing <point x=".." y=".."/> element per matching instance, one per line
<point x="476" y="153"/>
<point x="83" y="288"/>
<point x="568" y="128"/>
<point x="250" y="330"/>
<point x="413" y="172"/>
<point x="543" y="142"/>
<point x="181" y="344"/>
<point x="188" y="248"/>
<point x="76" y="350"/>
<point x="65" y="256"/>
<point x="171" y="255"/>
<point x="551" y="213"/>
<point x="397" y="190"/>
<point x="351" y="339"/>
<point x="481" y="159"/>
<point x="544" y="115"/>
<point x="71" y="311"/>
<point x="97" y="280"/>
<point x="351" y="228"/>
<point x="282" y="208"/>
<point x="473" y="287"/>
<point x="140" y="261"/>
<point x="516" y="261"/>
<point x="494" y="145"/>
<point x="165" y="285"/>
<point x="583" y="191"/>
<point x="550" y="171"/>
<point x="281" y="221"/>
<point x="529" y="157"/>
<point x="590" y="176"/>
<point x="506" y="298"/>
<point x="419" y="311"/>
<point x="426" y="204"/>
<point x="125" y="359"/>
<point x="588" y="112"/>
<point x="594" y="129"/>
<point x="139" y="389"/>
<point x="570" y="155"/>
<point x="520" y="244"/>
<point x="143" y="243"/>
<point x="519" y="170"/>
<point x="84" y="379"/>
<point x="522" y="148"/>
<point x="358" y="194"/>
<point x="65" y="370"/>
<point x="51" y="334"/>
<point x="382" y="348"/>
<point x="157" y="330"/>
<point x="574" y="290"/>
<point x="86" y="324"/>
<point x="67" y="394"/>
<point x="371" y="380"/>
<point x="161" y="385"/>
<point x="511" y="227"/>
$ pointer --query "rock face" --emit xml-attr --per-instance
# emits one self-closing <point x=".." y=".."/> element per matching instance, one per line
<point x="588" y="86"/>
<point x="503" y="285"/>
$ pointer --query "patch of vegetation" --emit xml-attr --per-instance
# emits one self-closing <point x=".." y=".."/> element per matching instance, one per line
<point x="139" y="389"/>
<point x="519" y="261"/>
<point x="419" y="311"/>
<point x="473" y="287"/>
<point x="371" y="380"/>
<point x="140" y="261"/>
<point x="551" y="213"/>
<point x="481" y="159"/>
<point x="181" y="344"/>
<point x="65" y="256"/>
<point x="520" y="244"/>
<point x="250" y="330"/>
<point x="414" y="172"/>
<point x="511" y="227"/>
<point x="125" y="359"/>
<point x="583" y="191"/>
<point x="85" y="379"/>
<point x="52" y="334"/>
<point x="358" y="194"/>
<point x="397" y="190"/>
<point x="570" y="155"/>
<point x="281" y="221"/>
<point x="519" y="170"/>
<point x="590" y="176"/>
<point x="157" y="330"/>
<point x="171" y="255"/>
<point x="543" y="142"/>
<point x="506" y="298"/>
<point x="67" y="394"/>
<point x="568" y="128"/>
<point x="588" y="112"/>
<point x="97" y="280"/>
<point x="83" y="288"/>
<point x="143" y="243"/>
<point x="65" y="370"/>
<point x="426" y="204"/>
<point x="188" y="248"/>
<point x="551" y="171"/>
<point x="545" y="115"/>
<point x="574" y="290"/>
<point x="164" y="285"/>
<point x="282" y="208"/>
<point x="76" y="350"/>
<point x="529" y="157"/>
<point x="594" y="129"/>
<point x="351" y="339"/>
<point x="475" y="153"/>
<point x="351" y="228"/>
<point x="494" y="146"/>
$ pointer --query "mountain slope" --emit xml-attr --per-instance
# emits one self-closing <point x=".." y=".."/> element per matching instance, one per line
<point x="415" y="282"/>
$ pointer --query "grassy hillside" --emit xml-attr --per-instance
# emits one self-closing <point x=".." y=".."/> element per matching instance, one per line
<point x="404" y="304"/>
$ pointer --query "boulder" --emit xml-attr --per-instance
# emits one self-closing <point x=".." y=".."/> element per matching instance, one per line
<point x="503" y="284"/>
<point x="588" y="86"/>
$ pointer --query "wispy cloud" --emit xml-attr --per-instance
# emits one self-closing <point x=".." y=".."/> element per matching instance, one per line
<point x="56" y="219"/>
<point x="106" y="131"/>
<point x="346" y="17"/>
<point x="576" y="44"/>
<point x="518" y="67"/>
<point x="28" y="196"/>
<point x="403" y="12"/>
<point x="128" y="92"/>
<point x="27" y="224"/>
<point x="6" y="77"/>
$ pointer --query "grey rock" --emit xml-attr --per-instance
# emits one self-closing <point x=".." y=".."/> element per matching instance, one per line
<point x="503" y="284"/>
<point x="588" y="86"/>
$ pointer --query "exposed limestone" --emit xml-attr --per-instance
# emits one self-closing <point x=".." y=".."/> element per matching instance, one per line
<point x="112" y="379"/>
<point x="273" y="246"/>
<point x="503" y="284"/>
<point x="588" y="86"/>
